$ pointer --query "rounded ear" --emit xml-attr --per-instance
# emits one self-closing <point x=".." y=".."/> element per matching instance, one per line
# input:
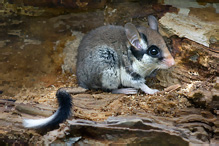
<point x="152" y="21"/>
<point x="132" y="34"/>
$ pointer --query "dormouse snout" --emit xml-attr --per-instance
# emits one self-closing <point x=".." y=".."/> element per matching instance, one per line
<point x="169" y="61"/>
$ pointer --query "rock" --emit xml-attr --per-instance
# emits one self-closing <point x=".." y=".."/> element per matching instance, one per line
<point x="119" y="129"/>
<point x="70" y="52"/>
<point x="33" y="111"/>
<point x="201" y="98"/>
<point x="190" y="27"/>
<point x="4" y="43"/>
<point x="15" y="32"/>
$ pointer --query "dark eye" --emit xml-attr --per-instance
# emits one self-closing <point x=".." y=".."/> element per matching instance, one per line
<point x="153" y="51"/>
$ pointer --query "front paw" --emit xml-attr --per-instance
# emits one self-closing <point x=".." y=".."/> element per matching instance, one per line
<point x="152" y="91"/>
<point x="148" y="90"/>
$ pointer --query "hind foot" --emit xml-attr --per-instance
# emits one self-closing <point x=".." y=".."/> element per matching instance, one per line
<point x="125" y="91"/>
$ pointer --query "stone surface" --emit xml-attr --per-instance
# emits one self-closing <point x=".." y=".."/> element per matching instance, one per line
<point x="190" y="27"/>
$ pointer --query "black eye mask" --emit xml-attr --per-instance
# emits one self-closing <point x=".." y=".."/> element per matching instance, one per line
<point x="152" y="51"/>
<point x="139" y="52"/>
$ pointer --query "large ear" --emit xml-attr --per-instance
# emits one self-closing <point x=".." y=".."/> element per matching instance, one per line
<point x="133" y="35"/>
<point x="152" y="21"/>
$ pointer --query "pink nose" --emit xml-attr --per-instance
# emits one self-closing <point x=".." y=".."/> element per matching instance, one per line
<point x="170" y="61"/>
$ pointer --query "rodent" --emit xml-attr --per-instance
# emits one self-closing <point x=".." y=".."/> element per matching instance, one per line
<point x="111" y="58"/>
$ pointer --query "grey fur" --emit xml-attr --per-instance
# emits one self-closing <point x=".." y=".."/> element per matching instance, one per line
<point x="106" y="62"/>
<point x="99" y="60"/>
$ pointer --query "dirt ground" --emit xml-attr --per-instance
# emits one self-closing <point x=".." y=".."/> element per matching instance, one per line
<point x="35" y="63"/>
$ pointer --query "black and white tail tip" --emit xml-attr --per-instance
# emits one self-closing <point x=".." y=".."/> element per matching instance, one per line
<point x="63" y="112"/>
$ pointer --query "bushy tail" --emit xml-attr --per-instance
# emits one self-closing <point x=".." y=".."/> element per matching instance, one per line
<point x="63" y="112"/>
